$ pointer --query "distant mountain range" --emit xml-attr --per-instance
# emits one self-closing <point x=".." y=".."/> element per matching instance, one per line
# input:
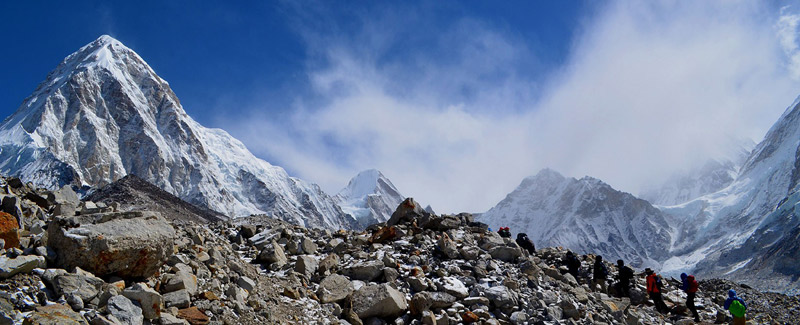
<point x="734" y="218"/>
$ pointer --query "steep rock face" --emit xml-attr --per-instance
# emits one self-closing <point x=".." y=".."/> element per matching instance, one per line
<point x="585" y="215"/>
<point x="369" y="197"/>
<point x="103" y="113"/>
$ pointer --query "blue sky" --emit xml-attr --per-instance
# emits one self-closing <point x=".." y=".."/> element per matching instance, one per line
<point x="454" y="101"/>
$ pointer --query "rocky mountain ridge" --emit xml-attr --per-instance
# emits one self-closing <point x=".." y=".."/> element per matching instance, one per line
<point x="419" y="268"/>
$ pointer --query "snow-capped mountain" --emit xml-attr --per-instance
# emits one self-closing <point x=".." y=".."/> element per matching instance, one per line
<point x="585" y="215"/>
<point x="369" y="197"/>
<point x="714" y="175"/>
<point x="747" y="228"/>
<point x="103" y="113"/>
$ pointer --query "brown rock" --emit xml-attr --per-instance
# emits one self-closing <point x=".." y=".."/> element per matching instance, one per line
<point x="469" y="317"/>
<point x="208" y="295"/>
<point x="54" y="314"/>
<point x="193" y="315"/>
<point x="9" y="230"/>
<point x="291" y="293"/>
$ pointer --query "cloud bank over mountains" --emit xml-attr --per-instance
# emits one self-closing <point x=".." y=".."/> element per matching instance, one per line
<point x="458" y="112"/>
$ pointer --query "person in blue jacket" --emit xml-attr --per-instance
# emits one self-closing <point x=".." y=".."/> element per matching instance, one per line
<point x="736" y="306"/>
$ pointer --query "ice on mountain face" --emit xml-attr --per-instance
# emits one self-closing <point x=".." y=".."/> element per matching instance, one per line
<point x="585" y="215"/>
<point x="369" y="198"/>
<point x="103" y="113"/>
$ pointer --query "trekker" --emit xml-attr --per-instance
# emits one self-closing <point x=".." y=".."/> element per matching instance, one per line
<point x="573" y="265"/>
<point x="737" y="307"/>
<point x="526" y="243"/>
<point x="654" y="290"/>
<point x="600" y="274"/>
<point x="690" y="287"/>
<point x="625" y="275"/>
<point x="504" y="232"/>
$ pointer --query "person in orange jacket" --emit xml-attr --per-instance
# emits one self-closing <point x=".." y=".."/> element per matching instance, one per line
<point x="654" y="290"/>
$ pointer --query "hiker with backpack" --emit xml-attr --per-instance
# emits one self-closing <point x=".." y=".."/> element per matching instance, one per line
<point x="624" y="279"/>
<point x="654" y="288"/>
<point x="737" y="307"/>
<point x="573" y="265"/>
<point x="526" y="243"/>
<point x="504" y="232"/>
<point x="690" y="287"/>
<point x="600" y="273"/>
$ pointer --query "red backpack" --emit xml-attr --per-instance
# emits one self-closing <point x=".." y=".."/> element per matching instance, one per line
<point x="692" y="284"/>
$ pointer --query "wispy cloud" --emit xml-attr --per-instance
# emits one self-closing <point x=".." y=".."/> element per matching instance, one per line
<point x="457" y="113"/>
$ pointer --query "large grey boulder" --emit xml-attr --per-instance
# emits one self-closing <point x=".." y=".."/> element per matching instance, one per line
<point x="427" y="300"/>
<point x="334" y="288"/>
<point x="273" y="254"/>
<point x="380" y="300"/>
<point x="125" y="310"/>
<point x="501" y="296"/>
<point x="505" y="253"/>
<point x="306" y="264"/>
<point x="125" y="244"/>
<point x="365" y="270"/>
<point x="409" y="211"/>
<point x="21" y="264"/>
<point x="150" y="301"/>
<point x="84" y="286"/>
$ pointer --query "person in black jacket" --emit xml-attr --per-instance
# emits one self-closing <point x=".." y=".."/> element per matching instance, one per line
<point x="624" y="279"/>
<point x="600" y="273"/>
<point x="526" y="243"/>
<point x="573" y="265"/>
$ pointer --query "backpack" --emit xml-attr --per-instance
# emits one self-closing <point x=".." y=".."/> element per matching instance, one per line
<point x="659" y="285"/>
<point x="736" y="308"/>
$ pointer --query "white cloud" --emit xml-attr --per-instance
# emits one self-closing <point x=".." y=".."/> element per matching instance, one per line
<point x="787" y="32"/>
<point x="647" y="90"/>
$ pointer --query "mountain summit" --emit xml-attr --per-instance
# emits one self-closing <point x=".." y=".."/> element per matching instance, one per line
<point x="369" y="197"/>
<point x="103" y="113"/>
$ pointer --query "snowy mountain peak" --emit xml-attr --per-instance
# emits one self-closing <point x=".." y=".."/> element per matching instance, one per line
<point x="103" y="113"/>
<point x="370" y="197"/>
<point x="585" y="215"/>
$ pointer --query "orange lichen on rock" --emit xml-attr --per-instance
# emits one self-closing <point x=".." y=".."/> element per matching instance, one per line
<point x="9" y="230"/>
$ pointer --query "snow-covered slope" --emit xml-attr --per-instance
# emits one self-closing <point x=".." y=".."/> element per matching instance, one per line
<point x="714" y="175"/>
<point x="103" y="113"/>
<point x="727" y="232"/>
<point x="585" y="215"/>
<point x="369" y="197"/>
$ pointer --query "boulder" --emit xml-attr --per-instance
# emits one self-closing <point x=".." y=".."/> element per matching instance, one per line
<point x="409" y="211"/>
<point x="181" y="280"/>
<point x="246" y="283"/>
<point x="308" y="246"/>
<point x="178" y="299"/>
<point x="10" y="205"/>
<point x="364" y="270"/>
<point x="501" y="296"/>
<point x="150" y="301"/>
<point x="273" y="254"/>
<point x="426" y="300"/>
<point x="454" y="287"/>
<point x="21" y="264"/>
<point x="247" y="231"/>
<point x="328" y="264"/>
<point x="380" y="300"/>
<point x="9" y="230"/>
<point x="125" y="310"/>
<point x="65" y="195"/>
<point x="306" y="265"/>
<point x="505" y="253"/>
<point x="334" y="288"/>
<point x="54" y="314"/>
<point x="193" y="315"/>
<point x="125" y="244"/>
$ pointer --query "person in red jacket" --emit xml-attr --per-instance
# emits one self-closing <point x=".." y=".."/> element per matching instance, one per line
<point x="690" y="287"/>
<point x="654" y="290"/>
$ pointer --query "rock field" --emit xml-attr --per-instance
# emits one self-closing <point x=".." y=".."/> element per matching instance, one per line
<point x="66" y="261"/>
